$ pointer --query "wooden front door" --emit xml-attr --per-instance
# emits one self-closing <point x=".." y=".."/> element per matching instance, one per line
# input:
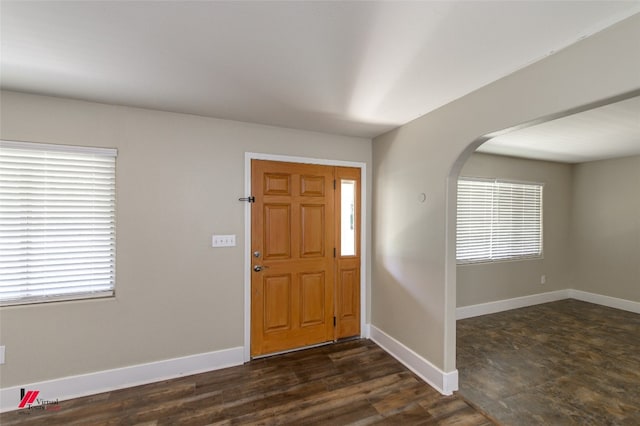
<point x="294" y="221"/>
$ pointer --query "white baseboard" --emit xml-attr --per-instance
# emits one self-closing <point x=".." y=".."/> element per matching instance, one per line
<point x="508" y="304"/>
<point x="445" y="383"/>
<point x="109" y="380"/>
<point x="470" y="311"/>
<point x="611" y="302"/>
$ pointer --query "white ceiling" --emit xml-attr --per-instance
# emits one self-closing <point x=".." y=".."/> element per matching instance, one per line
<point x="606" y="132"/>
<point x="352" y="68"/>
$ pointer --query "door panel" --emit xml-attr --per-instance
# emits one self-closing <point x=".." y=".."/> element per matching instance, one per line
<point x="277" y="231"/>
<point x="277" y="184"/>
<point x="348" y="299"/>
<point x="349" y="283"/>
<point x="312" y="298"/>
<point x="313" y="230"/>
<point x="312" y="186"/>
<point x="277" y="301"/>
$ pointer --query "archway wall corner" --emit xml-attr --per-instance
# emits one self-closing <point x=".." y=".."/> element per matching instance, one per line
<point x="416" y="257"/>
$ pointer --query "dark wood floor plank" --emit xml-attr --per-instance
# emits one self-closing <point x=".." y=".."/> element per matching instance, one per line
<point x="413" y="414"/>
<point x="340" y="415"/>
<point x="396" y="400"/>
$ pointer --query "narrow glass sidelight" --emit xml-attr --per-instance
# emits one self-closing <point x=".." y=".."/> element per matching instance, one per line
<point x="347" y="217"/>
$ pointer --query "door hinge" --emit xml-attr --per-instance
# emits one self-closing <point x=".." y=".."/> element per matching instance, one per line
<point x="334" y="184"/>
<point x="334" y="321"/>
<point x="334" y="252"/>
<point x="250" y="199"/>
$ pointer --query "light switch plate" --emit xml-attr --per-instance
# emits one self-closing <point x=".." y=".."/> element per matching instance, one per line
<point x="223" y="241"/>
<point x="2" y="354"/>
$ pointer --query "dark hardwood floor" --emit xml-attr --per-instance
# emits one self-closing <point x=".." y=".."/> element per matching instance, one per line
<point x="560" y="363"/>
<point x="352" y="382"/>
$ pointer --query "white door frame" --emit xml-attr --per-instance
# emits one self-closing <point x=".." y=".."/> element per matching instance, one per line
<point x="248" y="156"/>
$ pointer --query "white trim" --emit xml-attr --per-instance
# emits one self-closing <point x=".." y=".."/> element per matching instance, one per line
<point x="508" y="304"/>
<point x="108" y="152"/>
<point x="119" y="378"/>
<point x="611" y="302"/>
<point x="445" y="383"/>
<point x="247" y="259"/>
<point x="470" y="311"/>
<point x="307" y="160"/>
<point x="364" y="327"/>
<point x="366" y="331"/>
<point x="248" y="156"/>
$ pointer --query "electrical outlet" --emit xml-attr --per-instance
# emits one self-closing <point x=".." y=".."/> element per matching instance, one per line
<point x="2" y="354"/>
<point x="223" y="241"/>
<point x="543" y="279"/>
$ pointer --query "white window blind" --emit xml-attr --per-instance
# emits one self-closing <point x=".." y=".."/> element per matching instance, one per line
<point x="498" y="220"/>
<point x="57" y="222"/>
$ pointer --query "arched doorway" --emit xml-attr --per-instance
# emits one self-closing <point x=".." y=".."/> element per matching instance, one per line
<point x="500" y="304"/>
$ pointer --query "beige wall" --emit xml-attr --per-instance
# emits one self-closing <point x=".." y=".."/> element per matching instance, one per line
<point x="178" y="182"/>
<point x="606" y="227"/>
<point x="480" y="283"/>
<point x="414" y="277"/>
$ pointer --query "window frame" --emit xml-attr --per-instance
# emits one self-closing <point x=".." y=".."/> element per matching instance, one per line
<point x="44" y="197"/>
<point x="509" y="258"/>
